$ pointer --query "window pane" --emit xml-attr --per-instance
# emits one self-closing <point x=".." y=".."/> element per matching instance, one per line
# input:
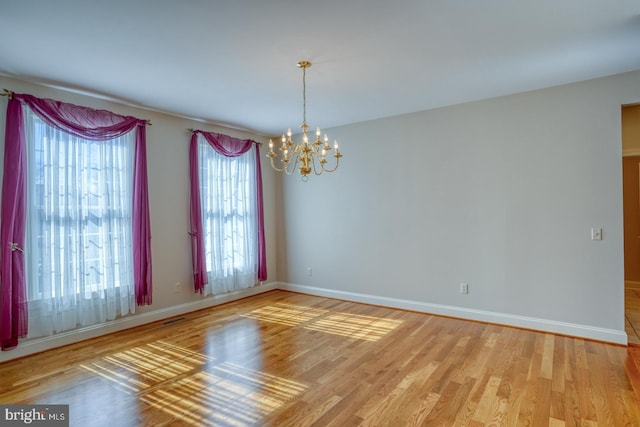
<point x="79" y="226"/>
<point x="229" y="219"/>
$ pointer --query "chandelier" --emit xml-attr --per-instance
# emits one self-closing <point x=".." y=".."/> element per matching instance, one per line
<point x="307" y="156"/>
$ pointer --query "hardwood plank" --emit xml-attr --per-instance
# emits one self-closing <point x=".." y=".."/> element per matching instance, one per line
<point x="288" y="359"/>
<point x="632" y="315"/>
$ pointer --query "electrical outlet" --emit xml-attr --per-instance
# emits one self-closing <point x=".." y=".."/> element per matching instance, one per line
<point x="309" y="272"/>
<point x="178" y="287"/>
<point x="464" y="288"/>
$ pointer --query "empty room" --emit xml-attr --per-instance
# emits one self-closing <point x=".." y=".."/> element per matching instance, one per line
<point x="337" y="213"/>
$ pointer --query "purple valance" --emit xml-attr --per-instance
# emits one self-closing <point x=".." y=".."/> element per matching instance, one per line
<point x="230" y="147"/>
<point x="226" y="145"/>
<point x="85" y="123"/>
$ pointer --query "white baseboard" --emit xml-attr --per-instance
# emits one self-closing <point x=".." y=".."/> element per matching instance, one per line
<point x="543" y="325"/>
<point x="38" y="345"/>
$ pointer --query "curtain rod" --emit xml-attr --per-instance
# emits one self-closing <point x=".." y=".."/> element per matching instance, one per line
<point x="9" y="94"/>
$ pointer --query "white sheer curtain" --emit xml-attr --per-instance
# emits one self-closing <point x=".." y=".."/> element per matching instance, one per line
<point x="78" y="254"/>
<point x="229" y="218"/>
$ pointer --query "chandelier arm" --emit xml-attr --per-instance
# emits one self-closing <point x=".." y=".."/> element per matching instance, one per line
<point x="315" y="159"/>
<point x="293" y="162"/>
<point x="275" y="167"/>
<point x="289" y="166"/>
<point x="295" y="159"/>
<point x="334" y="168"/>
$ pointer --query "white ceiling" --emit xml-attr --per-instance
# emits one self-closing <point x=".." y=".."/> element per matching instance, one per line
<point x="233" y="62"/>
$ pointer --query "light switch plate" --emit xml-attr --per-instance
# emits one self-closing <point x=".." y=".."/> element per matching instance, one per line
<point x="596" y="234"/>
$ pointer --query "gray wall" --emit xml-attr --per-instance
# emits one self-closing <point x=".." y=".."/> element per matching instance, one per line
<point x="501" y="194"/>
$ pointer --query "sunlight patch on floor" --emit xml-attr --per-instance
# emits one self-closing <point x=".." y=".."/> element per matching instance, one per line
<point x="286" y="314"/>
<point x="227" y="394"/>
<point x="139" y="368"/>
<point x="355" y="326"/>
<point x="368" y="328"/>
<point x="192" y="387"/>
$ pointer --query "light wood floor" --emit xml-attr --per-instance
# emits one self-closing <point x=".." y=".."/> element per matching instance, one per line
<point x="632" y="315"/>
<point x="287" y="359"/>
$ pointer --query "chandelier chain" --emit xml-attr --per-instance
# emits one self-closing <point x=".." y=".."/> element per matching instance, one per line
<point x="304" y="96"/>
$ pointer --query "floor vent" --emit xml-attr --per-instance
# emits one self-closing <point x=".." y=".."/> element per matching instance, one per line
<point x="168" y="322"/>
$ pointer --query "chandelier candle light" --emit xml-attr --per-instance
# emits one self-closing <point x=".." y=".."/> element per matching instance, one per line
<point x="308" y="156"/>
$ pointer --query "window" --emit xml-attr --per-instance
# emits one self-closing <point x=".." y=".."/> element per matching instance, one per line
<point x="230" y="213"/>
<point x="79" y="263"/>
<point x="75" y="233"/>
